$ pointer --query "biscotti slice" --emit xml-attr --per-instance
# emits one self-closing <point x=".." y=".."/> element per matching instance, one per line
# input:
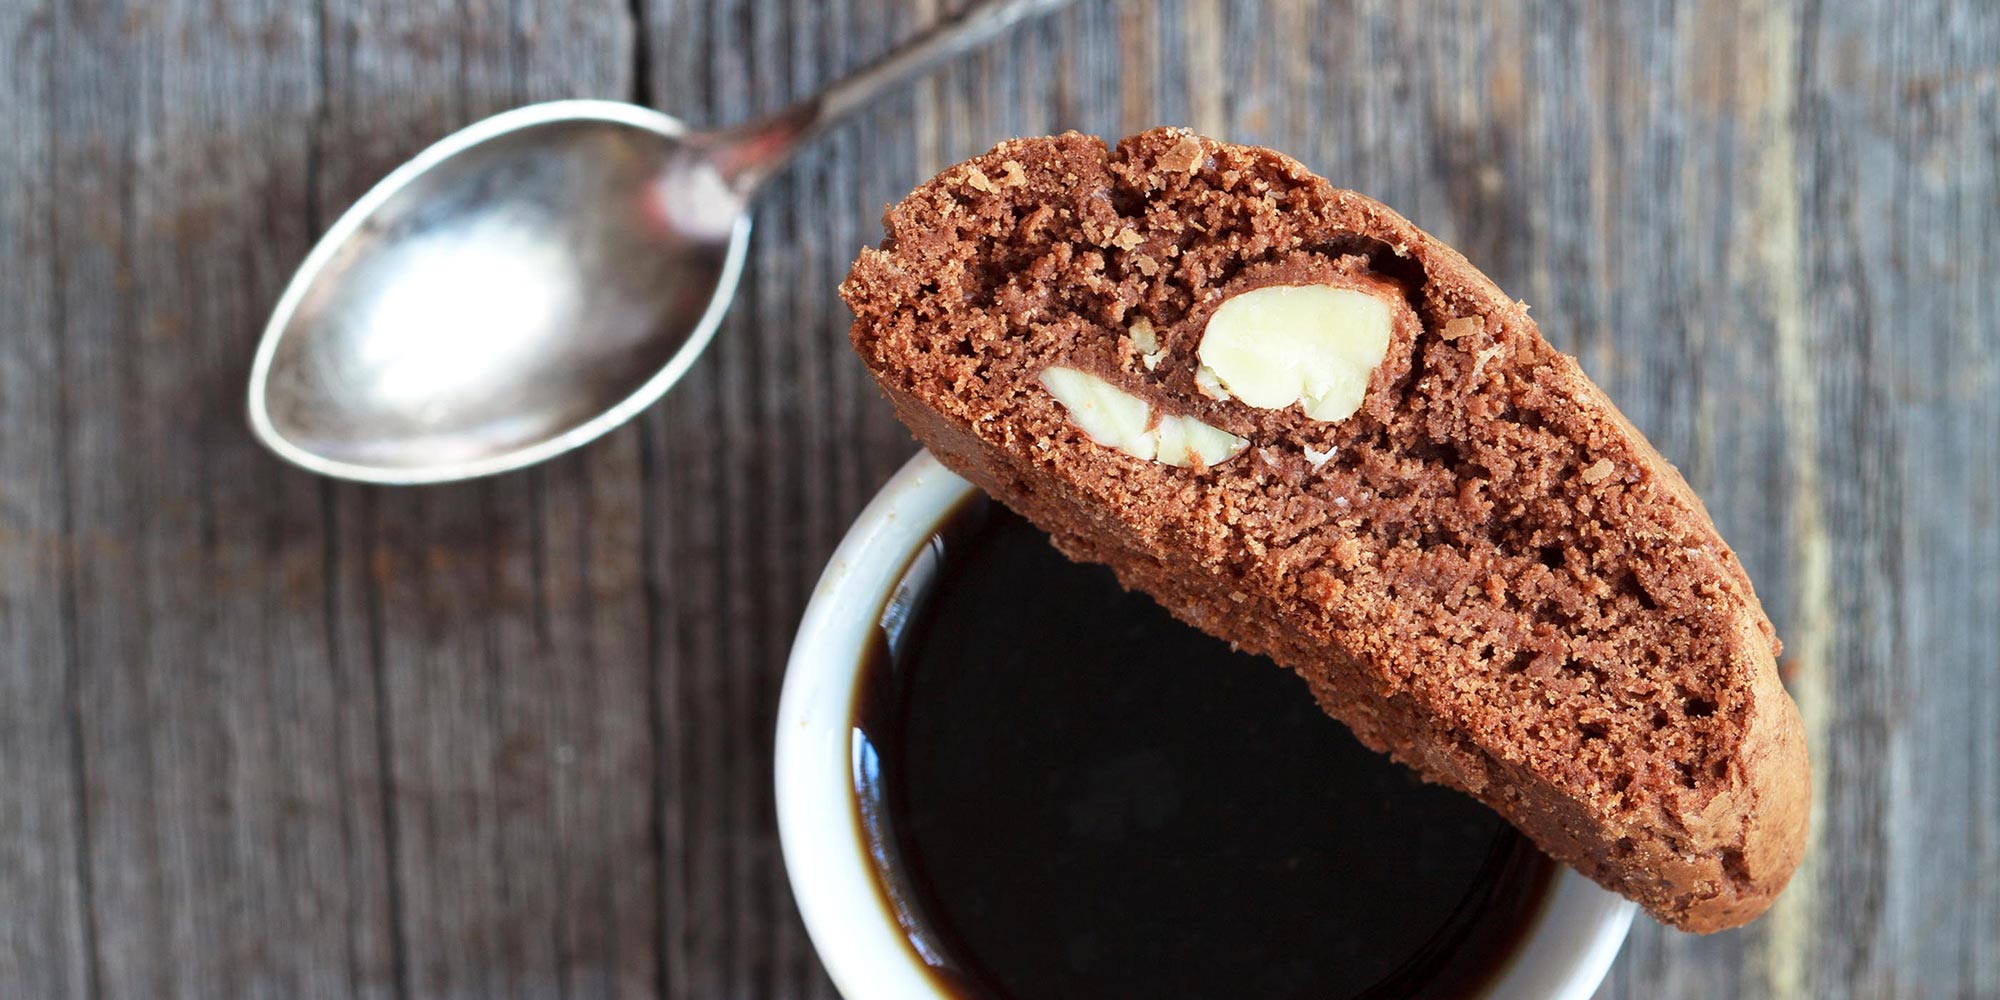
<point x="1306" y="427"/>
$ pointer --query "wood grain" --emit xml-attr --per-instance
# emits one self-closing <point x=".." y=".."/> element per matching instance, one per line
<point x="266" y="735"/>
<point x="45" y="936"/>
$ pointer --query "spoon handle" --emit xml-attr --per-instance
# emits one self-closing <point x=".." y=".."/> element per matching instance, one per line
<point x="750" y="153"/>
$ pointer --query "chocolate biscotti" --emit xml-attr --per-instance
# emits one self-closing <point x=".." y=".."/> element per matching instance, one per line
<point x="1305" y="426"/>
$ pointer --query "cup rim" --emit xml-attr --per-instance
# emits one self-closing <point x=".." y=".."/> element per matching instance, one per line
<point x="1564" y="955"/>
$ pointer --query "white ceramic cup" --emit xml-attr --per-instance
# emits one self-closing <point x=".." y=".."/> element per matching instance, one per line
<point x="1562" y="957"/>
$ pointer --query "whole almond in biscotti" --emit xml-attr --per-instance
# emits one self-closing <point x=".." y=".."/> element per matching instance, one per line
<point x="1305" y="426"/>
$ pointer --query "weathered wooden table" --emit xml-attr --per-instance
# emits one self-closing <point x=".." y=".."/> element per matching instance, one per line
<point x="262" y="734"/>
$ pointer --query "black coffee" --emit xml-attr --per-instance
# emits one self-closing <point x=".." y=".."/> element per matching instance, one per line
<point x="1070" y="794"/>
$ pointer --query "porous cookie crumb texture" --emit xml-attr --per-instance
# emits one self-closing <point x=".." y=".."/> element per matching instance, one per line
<point x="1482" y="569"/>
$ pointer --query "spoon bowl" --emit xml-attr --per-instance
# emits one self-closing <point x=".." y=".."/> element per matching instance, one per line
<point x="517" y="289"/>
